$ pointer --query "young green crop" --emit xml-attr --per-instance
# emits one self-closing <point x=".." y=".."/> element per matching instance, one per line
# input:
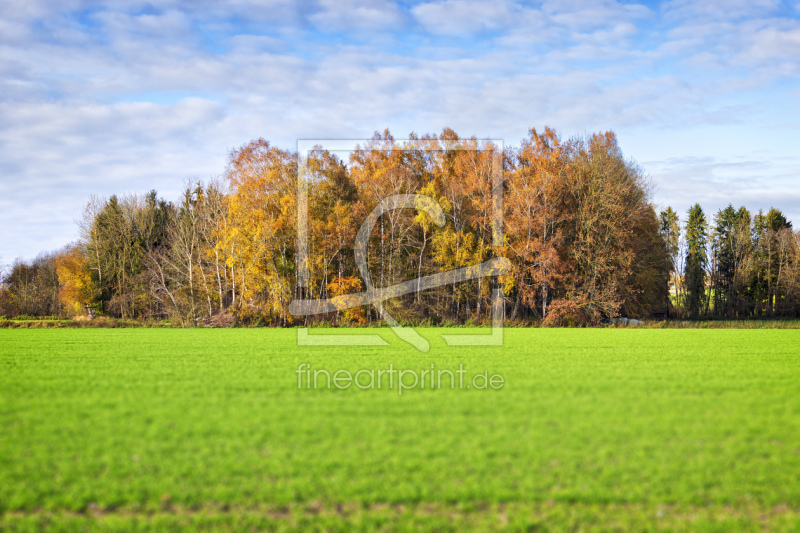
<point x="630" y="428"/>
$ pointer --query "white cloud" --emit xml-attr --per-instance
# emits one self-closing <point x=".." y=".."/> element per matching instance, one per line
<point x="579" y="15"/>
<point x="135" y="97"/>
<point x="169" y="25"/>
<point x="774" y="43"/>
<point x="719" y="9"/>
<point x="254" y="44"/>
<point x="54" y="156"/>
<point x="568" y="19"/>
<point x="716" y="182"/>
<point x="464" y="17"/>
<point x="335" y="16"/>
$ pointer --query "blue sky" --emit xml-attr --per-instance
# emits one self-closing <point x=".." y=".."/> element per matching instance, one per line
<point x="131" y="96"/>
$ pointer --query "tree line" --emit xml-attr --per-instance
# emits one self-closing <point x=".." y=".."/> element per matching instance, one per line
<point x="736" y="265"/>
<point x="579" y="228"/>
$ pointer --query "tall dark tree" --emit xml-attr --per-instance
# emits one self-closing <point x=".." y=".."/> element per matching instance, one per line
<point x="723" y="249"/>
<point x="696" y="260"/>
<point x="118" y="238"/>
<point x="732" y="245"/>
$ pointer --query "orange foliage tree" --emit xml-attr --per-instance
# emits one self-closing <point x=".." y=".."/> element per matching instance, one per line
<point x="76" y="286"/>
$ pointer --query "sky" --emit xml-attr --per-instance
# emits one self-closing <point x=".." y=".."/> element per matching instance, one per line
<point x="129" y="96"/>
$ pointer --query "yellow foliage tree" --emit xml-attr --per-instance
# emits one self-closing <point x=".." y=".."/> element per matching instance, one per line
<point x="341" y="285"/>
<point x="77" y="289"/>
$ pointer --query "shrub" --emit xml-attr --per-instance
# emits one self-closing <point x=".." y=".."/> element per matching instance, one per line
<point x="570" y="313"/>
<point x="222" y="320"/>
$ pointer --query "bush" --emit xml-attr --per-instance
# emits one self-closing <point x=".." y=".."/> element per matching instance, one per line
<point x="251" y="317"/>
<point x="222" y="320"/>
<point x="570" y="313"/>
<point x="36" y="318"/>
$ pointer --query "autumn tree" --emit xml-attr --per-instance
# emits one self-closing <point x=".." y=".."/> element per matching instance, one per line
<point x="382" y="169"/>
<point x="76" y="289"/>
<point x="536" y="217"/>
<point x="613" y="225"/>
<point x="260" y="238"/>
<point x="581" y="234"/>
<point x="331" y="221"/>
<point x="32" y="287"/>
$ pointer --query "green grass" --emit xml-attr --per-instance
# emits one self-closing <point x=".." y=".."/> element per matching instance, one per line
<point x="154" y="429"/>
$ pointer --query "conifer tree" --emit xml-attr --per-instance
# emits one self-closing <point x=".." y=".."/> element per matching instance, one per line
<point x="696" y="259"/>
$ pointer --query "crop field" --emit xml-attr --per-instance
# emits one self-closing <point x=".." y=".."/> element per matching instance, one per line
<point x="581" y="430"/>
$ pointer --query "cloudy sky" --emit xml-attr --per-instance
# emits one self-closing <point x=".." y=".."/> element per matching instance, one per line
<point x="130" y="96"/>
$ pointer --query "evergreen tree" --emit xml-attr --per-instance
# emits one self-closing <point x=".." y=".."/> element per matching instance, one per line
<point x="724" y="251"/>
<point x="696" y="259"/>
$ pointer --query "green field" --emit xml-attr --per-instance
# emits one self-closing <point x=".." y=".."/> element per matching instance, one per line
<point x="629" y="429"/>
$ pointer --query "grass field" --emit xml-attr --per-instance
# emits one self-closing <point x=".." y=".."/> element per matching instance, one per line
<point x="593" y="429"/>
